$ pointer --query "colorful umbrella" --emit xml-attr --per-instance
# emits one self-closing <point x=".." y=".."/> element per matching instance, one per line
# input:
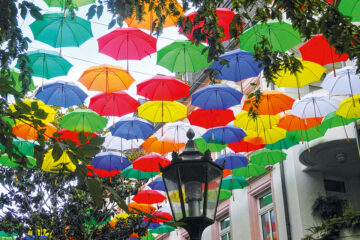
<point x="346" y="82"/>
<point x="61" y="94"/>
<point x="281" y="144"/>
<point x="62" y="3"/>
<point x="177" y="132"/>
<point x="314" y="107"/>
<point x="244" y="146"/>
<point x="61" y="30"/>
<point x="129" y="172"/>
<point x="113" y="104"/>
<point x="149" y="197"/>
<point x="210" y="118"/>
<point x="265" y="136"/>
<point x="35" y="106"/>
<point x="147" y="208"/>
<point x="291" y="122"/>
<point x="203" y="146"/>
<point x="150" y="163"/>
<point x="110" y="161"/>
<point x="305" y="135"/>
<point x="11" y="162"/>
<point x="157" y="184"/>
<point x="22" y="146"/>
<point x="163" y="88"/>
<point x="83" y="120"/>
<point x="244" y="121"/>
<point x="351" y="9"/>
<point x="251" y="170"/>
<point x="267" y="157"/>
<point x="224" y="135"/>
<point x="106" y="78"/>
<point x="148" y="236"/>
<point x="162" y="111"/>
<point x="232" y="160"/>
<point x="233" y="182"/>
<point x="29" y="132"/>
<point x="350" y="107"/>
<point x="333" y="120"/>
<point x="132" y="128"/>
<point x="118" y="143"/>
<point x="160" y="217"/>
<point x="17" y="85"/>
<point x="224" y="194"/>
<point x="63" y="163"/>
<point x="152" y="144"/>
<point x="73" y="136"/>
<point x="162" y="229"/>
<point x="100" y="173"/>
<point x="280" y="35"/>
<point x="216" y="97"/>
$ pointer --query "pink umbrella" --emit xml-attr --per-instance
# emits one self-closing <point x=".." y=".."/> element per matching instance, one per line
<point x="127" y="44"/>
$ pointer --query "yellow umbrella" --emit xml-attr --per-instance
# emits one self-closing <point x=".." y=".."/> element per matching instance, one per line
<point x="311" y="72"/>
<point x="244" y="121"/>
<point x="119" y="216"/>
<point x="350" y="107"/>
<point x="162" y="111"/>
<point x="265" y="136"/>
<point x="40" y="105"/>
<point x="50" y="165"/>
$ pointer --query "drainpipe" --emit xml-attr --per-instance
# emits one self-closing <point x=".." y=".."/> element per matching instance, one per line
<point x="285" y="200"/>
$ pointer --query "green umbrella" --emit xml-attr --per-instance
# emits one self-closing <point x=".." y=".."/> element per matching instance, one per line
<point x="267" y="157"/>
<point x="305" y="135"/>
<point x="59" y="31"/>
<point x="251" y="170"/>
<point x="83" y="120"/>
<point x="224" y="194"/>
<point x="281" y="36"/>
<point x="350" y="8"/>
<point x="17" y="85"/>
<point x="281" y="144"/>
<point x="202" y="145"/>
<point x="25" y="147"/>
<point x="10" y="162"/>
<point x="233" y="182"/>
<point x="7" y="236"/>
<point x="9" y="120"/>
<point x="183" y="56"/>
<point x="162" y="229"/>
<point x="129" y="172"/>
<point x="149" y="236"/>
<point x="65" y="3"/>
<point x="333" y="120"/>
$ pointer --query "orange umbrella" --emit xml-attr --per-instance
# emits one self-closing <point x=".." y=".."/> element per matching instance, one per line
<point x="291" y="122"/>
<point x="106" y="78"/>
<point x="146" y="208"/>
<point x="29" y="132"/>
<point x="226" y="172"/>
<point x="152" y="144"/>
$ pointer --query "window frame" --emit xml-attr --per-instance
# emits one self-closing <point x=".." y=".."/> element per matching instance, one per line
<point x="227" y="230"/>
<point x="265" y="210"/>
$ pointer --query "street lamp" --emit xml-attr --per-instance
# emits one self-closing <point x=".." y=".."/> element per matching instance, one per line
<point x="192" y="182"/>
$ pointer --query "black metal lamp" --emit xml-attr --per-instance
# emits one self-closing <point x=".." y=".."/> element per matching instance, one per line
<point x="192" y="184"/>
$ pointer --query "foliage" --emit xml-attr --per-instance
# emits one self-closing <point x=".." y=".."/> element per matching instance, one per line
<point x="328" y="207"/>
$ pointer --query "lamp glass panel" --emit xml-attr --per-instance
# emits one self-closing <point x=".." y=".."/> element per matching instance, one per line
<point x="214" y="182"/>
<point x="170" y="180"/>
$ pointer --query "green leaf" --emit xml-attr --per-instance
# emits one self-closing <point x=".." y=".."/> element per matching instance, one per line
<point x="57" y="152"/>
<point x="112" y="23"/>
<point x="23" y="12"/>
<point x="97" y="140"/>
<point x="96" y="191"/>
<point x="91" y="12"/>
<point x="36" y="14"/>
<point x="99" y="11"/>
<point x="82" y="138"/>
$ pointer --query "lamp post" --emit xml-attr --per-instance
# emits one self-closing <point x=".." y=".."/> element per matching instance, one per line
<point x="192" y="183"/>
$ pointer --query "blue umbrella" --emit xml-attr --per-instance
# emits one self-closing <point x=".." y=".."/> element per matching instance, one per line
<point x="232" y="160"/>
<point x="216" y="97"/>
<point x="224" y="135"/>
<point x="151" y="225"/>
<point x="132" y="128"/>
<point x="157" y="184"/>
<point x="110" y="161"/>
<point x="61" y="94"/>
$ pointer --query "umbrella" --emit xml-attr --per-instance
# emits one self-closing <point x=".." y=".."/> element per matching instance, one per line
<point x="267" y="157"/>
<point x="350" y="107"/>
<point x="118" y="143"/>
<point x="83" y="120"/>
<point x="63" y="163"/>
<point x="281" y="144"/>
<point x="29" y="132"/>
<point x="224" y="135"/>
<point x="100" y="173"/>
<point x="291" y="122"/>
<point x="244" y="146"/>
<point x="110" y="161"/>
<point x="265" y="136"/>
<point x="162" y="111"/>
<point x="216" y="97"/>
<point x="157" y="184"/>
<point x="314" y="107"/>
<point x="251" y="170"/>
<point x="61" y="30"/>
<point x="232" y="160"/>
<point x="280" y="35"/>
<point x="148" y="236"/>
<point x="17" y="85"/>
<point x="333" y="120"/>
<point x="177" y="132"/>
<point x="203" y="146"/>
<point x="160" y="217"/>
<point x="226" y="172"/>
<point x="113" y="104"/>
<point x="73" y="136"/>
<point x="106" y="78"/>
<point x="233" y="182"/>
<point x="305" y="135"/>
<point x="162" y="229"/>
<point x="163" y="88"/>
<point x="224" y="194"/>
<point x="6" y="161"/>
<point x="22" y="146"/>
<point x="147" y="208"/>
<point x="351" y="9"/>
<point x="243" y="120"/>
<point x="148" y="197"/>
<point x="132" y="128"/>
<point x="210" y="118"/>
<point x="61" y="94"/>
<point x="311" y="72"/>
<point x="152" y="144"/>
<point x="62" y="3"/>
<point x="150" y="163"/>
<point x="35" y="106"/>
<point x="129" y="172"/>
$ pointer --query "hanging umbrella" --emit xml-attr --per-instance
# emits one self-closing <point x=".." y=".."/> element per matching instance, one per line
<point x="73" y="136"/>
<point x="113" y="104"/>
<point x="280" y="35"/>
<point x="163" y="88"/>
<point x="224" y="135"/>
<point x="60" y="30"/>
<point x="265" y="136"/>
<point x="203" y="146"/>
<point x="244" y="121"/>
<point x="216" y="97"/>
<point x="351" y="9"/>
<point x="267" y="157"/>
<point x="29" y="132"/>
<point x="211" y="118"/>
<point x="281" y="144"/>
<point x="6" y="161"/>
<point x="157" y="184"/>
<point x="244" y="146"/>
<point x="152" y="144"/>
<point x="62" y="3"/>
<point x="35" y="106"/>
<point x="226" y="172"/>
<point x="150" y="163"/>
<point x="118" y="143"/>
<point x="224" y="194"/>
<point x="64" y="163"/>
<point x="129" y="172"/>
<point x="233" y="182"/>
<point x="22" y="146"/>
<point x="177" y="132"/>
<point x="132" y="128"/>
<point x="232" y="160"/>
<point x="100" y="172"/>
<point x="333" y="120"/>
<point x="148" y="236"/>
<point x="291" y="122"/>
<point x="149" y="197"/>
<point x="17" y="85"/>
<point x="251" y="170"/>
<point x="305" y="135"/>
<point x="106" y="78"/>
<point x="350" y="107"/>
<point x="162" y="229"/>
<point x="160" y="217"/>
<point x="61" y="94"/>
<point x="162" y="111"/>
<point x="314" y="107"/>
<point x="83" y="120"/>
<point x="110" y="161"/>
<point x="136" y="207"/>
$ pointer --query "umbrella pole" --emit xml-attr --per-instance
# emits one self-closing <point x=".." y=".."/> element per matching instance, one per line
<point x="297" y="82"/>
<point x="43" y="71"/>
<point x="127" y="52"/>
<point x="347" y="137"/>
<point x="185" y="65"/>
<point x="352" y="95"/>
<point x="121" y="151"/>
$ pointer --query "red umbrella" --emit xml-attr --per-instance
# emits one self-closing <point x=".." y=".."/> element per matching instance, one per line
<point x="149" y="197"/>
<point x="318" y="50"/>
<point x="163" y="88"/>
<point x="211" y="118"/>
<point x="150" y="163"/>
<point x="73" y="136"/>
<point x="160" y="217"/>
<point x="113" y="104"/>
<point x="243" y="146"/>
<point x="100" y="173"/>
<point x="127" y="44"/>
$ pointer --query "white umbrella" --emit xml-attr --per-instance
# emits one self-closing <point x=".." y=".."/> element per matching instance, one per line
<point x="117" y="143"/>
<point x="346" y="82"/>
<point x="176" y="132"/>
<point x="314" y="107"/>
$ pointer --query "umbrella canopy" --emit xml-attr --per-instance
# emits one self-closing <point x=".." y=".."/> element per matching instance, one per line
<point x="224" y="135"/>
<point x="23" y="147"/>
<point x="162" y="111"/>
<point x="110" y="161"/>
<point x="216" y="97"/>
<point x="177" y="132"/>
<point x="183" y="56"/>
<point x="64" y="163"/>
<point x="281" y="144"/>
<point x="157" y="184"/>
<point x="244" y="146"/>
<point x="150" y="163"/>
<point x="29" y="132"/>
<point x="210" y="118"/>
<point x="129" y="172"/>
<point x="243" y="120"/>
<point x="149" y="197"/>
<point x="351" y="9"/>
<point x="350" y="107"/>
<point x="100" y="172"/>
<point x="61" y="30"/>
<point x="233" y="182"/>
<point x="346" y="81"/>
<point x="160" y="217"/>
<point x="147" y="208"/>
<point x="251" y="170"/>
<point x="333" y="120"/>
<point x="62" y="3"/>
<point x="132" y="128"/>
<point x="162" y="229"/>
<point x="305" y="135"/>
<point x="6" y="161"/>
<point x="106" y="78"/>
<point x="265" y="136"/>
<point x="203" y="146"/>
<point x="152" y="144"/>
<point x="83" y="120"/>
<point x="314" y="107"/>
<point x="232" y="161"/>
<point x="118" y="143"/>
<point x="73" y="136"/>
<point x="163" y="88"/>
<point x="61" y="94"/>
<point x="35" y="106"/>
<point x="291" y="122"/>
<point x="113" y="104"/>
<point x="267" y="157"/>
<point x="280" y="35"/>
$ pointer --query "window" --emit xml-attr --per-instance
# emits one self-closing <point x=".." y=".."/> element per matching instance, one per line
<point x="267" y="217"/>
<point x="225" y="233"/>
